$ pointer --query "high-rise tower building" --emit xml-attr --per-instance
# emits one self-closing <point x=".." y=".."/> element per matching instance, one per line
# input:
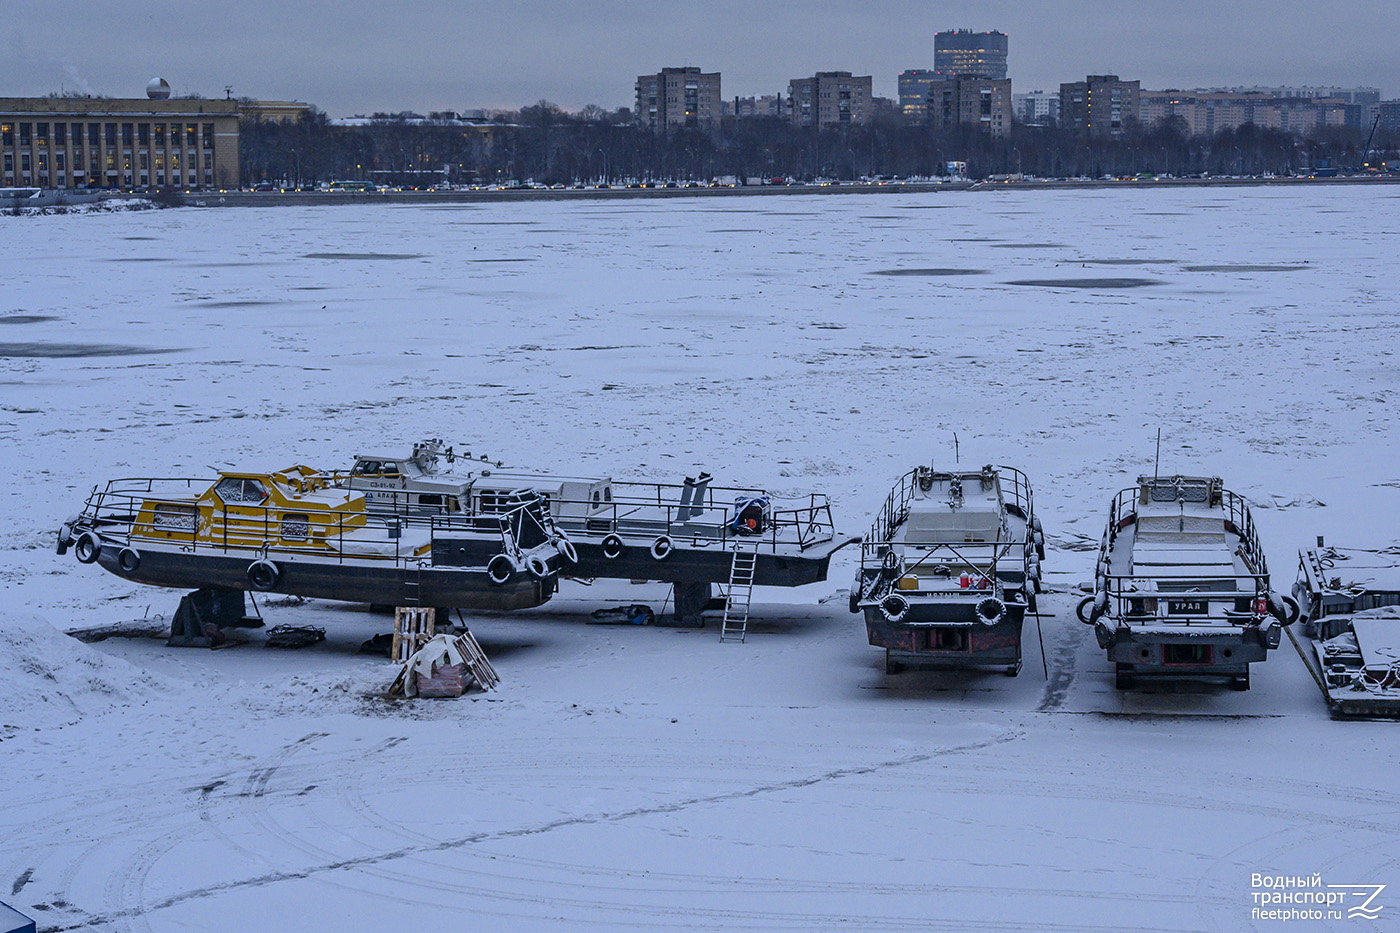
<point x="964" y="52"/>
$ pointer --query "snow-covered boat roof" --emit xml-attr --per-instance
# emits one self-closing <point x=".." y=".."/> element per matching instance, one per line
<point x="961" y="507"/>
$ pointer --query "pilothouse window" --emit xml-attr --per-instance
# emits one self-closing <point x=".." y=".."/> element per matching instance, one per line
<point x="231" y="489"/>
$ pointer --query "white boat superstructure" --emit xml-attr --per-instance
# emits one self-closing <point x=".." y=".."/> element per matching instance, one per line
<point x="1182" y="585"/>
<point x="950" y="568"/>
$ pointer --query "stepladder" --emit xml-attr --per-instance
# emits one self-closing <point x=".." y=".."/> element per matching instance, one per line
<point x="739" y="595"/>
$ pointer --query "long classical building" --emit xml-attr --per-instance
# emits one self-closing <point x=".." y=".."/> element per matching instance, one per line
<point x="677" y="97"/>
<point x="118" y="143"/>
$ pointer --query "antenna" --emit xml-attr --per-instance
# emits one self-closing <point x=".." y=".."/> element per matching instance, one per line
<point x="228" y="92"/>
<point x="1158" y="462"/>
<point x="955" y="448"/>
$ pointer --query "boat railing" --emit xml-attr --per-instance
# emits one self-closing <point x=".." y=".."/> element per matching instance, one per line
<point x="114" y="511"/>
<point x="1141" y="599"/>
<point x="708" y="518"/>
<point x="1123" y="511"/>
<point x="1016" y="492"/>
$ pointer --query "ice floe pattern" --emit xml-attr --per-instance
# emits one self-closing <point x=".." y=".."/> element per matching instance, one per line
<point x="654" y="779"/>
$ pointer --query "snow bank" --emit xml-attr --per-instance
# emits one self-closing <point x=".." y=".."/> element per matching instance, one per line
<point x="49" y="679"/>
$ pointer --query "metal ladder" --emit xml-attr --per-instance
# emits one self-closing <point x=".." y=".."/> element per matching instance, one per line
<point x="740" y="593"/>
<point x="412" y="582"/>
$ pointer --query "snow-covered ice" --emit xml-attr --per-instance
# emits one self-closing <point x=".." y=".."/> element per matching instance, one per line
<point x="653" y="778"/>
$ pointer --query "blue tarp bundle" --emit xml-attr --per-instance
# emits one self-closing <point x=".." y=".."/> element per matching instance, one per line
<point x="741" y="505"/>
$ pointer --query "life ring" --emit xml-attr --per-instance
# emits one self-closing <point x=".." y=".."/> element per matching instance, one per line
<point x="1082" y="610"/>
<point x="613" y="547"/>
<point x="500" y="569"/>
<point x="894" y="607"/>
<point x="537" y="565"/>
<point x="662" y="547"/>
<point x="990" y="610"/>
<point x="88" y="548"/>
<point x="566" y="549"/>
<point x="129" y="559"/>
<point x="263" y="574"/>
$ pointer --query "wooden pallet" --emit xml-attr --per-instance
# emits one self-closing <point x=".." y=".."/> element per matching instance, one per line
<point x="413" y="626"/>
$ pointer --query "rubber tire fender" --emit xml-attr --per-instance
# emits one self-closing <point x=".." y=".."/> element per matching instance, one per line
<point x="894" y="607"/>
<point x="662" y="547"/>
<point x="537" y="566"/>
<point x="1084" y="609"/>
<point x="990" y="610"/>
<point x="566" y="550"/>
<point x="500" y="569"/>
<point x="129" y="559"/>
<point x="263" y="575"/>
<point x="856" y="592"/>
<point x="1284" y="608"/>
<point x="87" y="548"/>
<point x="613" y="547"/>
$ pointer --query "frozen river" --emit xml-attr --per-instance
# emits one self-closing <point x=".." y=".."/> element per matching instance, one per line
<point x="655" y="778"/>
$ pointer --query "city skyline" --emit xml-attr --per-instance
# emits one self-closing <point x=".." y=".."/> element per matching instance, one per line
<point x="358" y="58"/>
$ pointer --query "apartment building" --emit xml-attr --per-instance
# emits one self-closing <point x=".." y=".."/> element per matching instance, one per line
<point x="678" y="97"/>
<point x="830" y="98"/>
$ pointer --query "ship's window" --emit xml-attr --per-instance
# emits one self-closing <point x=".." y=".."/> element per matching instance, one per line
<point x="232" y="489"/>
<point x="432" y="499"/>
<point x="170" y="517"/>
<point x="367" y="468"/>
<point x="596" y="497"/>
<point x="607" y="493"/>
<point x="295" y="527"/>
<point x="493" y="502"/>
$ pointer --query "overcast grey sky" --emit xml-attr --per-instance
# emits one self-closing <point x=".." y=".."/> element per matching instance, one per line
<point x="357" y="56"/>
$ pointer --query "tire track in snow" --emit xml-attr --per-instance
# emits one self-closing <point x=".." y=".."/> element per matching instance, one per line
<point x="476" y="838"/>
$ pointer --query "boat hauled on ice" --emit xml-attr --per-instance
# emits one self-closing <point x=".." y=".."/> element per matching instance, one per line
<point x="1181" y="588"/>
<point x="293" y="532"/>
<point x="1354" y="624"/>
<point x="950" y="568"/>
<point x="692" y="534"/>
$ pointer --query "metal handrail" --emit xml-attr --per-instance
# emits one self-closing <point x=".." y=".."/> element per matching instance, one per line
<point x="1124" y="506"/>
<point x="113" y="513"/>
<point x="812" y="523"/>
<point x="896" y="509"/>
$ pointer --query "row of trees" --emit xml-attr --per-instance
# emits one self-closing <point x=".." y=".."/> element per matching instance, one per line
<point x="545" y="144"/>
